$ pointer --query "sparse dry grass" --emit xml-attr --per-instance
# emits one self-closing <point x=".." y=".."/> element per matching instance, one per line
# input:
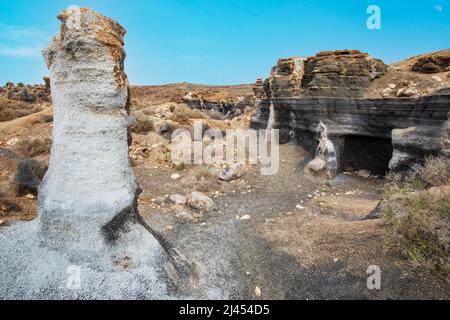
<point x="182" y="114"/>
<point x="417" y="214"/>
<point x="436" y="172"/>
<point x="142" y="124"/>
<point x="202" y="172"/>
<point x="33" y="147"/>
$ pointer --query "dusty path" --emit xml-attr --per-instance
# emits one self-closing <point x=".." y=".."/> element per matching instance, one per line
<point x="320" y="250"/>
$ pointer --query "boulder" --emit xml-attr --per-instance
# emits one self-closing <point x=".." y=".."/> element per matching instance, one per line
<point x="316" y="165"/>
<point x="412" y="145"/>
<point x="165" y="128"/>
<point x="178" y="199"/>
<point x="200" y="202"/>
<point x="231" y="172"/>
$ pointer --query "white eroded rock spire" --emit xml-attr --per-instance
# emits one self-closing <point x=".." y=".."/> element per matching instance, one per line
<point x="89" y="240"/>
<point x="90" y="181"/>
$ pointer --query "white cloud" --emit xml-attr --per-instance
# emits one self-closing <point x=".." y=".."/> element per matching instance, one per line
<point x="22" y="42"/>
<point x="438" y="8"/>
<point x="20" y="52"/>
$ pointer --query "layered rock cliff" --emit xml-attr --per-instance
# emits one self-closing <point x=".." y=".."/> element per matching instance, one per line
<point x="331" y="115"/>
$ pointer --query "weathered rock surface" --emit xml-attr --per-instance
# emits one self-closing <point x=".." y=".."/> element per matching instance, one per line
<point x="343" y="73"/>
<point x="200" y="202"/>
<point x="28" y="93"/>
<point x="89" y="240"/>
<point x="229" y="107"/>
<point x="230" y="172"/>
<point x="258" y="89"/>
<point x="433" y="63"/>
<point x="178" y="199"/>
<point x="285" y="78"/>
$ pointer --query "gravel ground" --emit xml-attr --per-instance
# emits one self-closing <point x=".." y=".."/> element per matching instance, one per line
<point x="303" y="240"/>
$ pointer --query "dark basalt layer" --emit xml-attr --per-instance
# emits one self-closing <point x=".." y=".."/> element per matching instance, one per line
<point x="380" y="120"/>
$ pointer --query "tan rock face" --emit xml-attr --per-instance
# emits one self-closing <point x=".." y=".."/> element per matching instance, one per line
<point x="433" y="63"/>
<point x="258" y="89"/>
<point x="343" y="73"/>
<point x="285" y="78"/>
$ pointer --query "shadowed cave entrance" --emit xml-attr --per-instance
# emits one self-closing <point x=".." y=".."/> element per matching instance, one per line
<point x="366" y="153"/>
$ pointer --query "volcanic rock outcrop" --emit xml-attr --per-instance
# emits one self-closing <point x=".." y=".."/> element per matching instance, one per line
<point x="89" y="240"/>
<point x="227" y="107"/>
<point x="285" y="78"/>
<point x="433" y="63"/>
<point x="346" y="131"/>
<point x="343" y="73"/>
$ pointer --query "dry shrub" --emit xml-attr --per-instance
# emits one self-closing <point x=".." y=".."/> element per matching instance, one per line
<point x="417" y="214"/>
<point x="33" y="147"/>
<point x="179" y="166"/>
<point x="436" y="172"/>
<point x="142" y="124"/>
<point x="202" y="172"/>
<point x="8" y="208"/>
<point x="182" y="114"/>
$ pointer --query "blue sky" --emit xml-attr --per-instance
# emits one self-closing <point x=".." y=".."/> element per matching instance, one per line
<point x="225" y="41"/>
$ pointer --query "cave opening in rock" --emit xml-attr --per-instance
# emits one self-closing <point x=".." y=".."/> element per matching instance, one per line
<point x="367" y="153"/>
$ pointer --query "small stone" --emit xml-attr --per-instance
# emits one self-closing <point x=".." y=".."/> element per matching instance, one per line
<point x="335" y="259"/>
<point x="184" y="217"/>
<point x="30" y="196"/>
<point x="178" y="199"/>
<point x="245" y="217"/>
<point x="200" y="202"/>
<point x="175" y="176"/>
<point x="258" y="292"/>
<point x="316" y="165"/>
<point x="299" y="207"/>
<point x="391" y="86"/>
<point x="231" y="172"/>
<point x="364" y="173"/>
